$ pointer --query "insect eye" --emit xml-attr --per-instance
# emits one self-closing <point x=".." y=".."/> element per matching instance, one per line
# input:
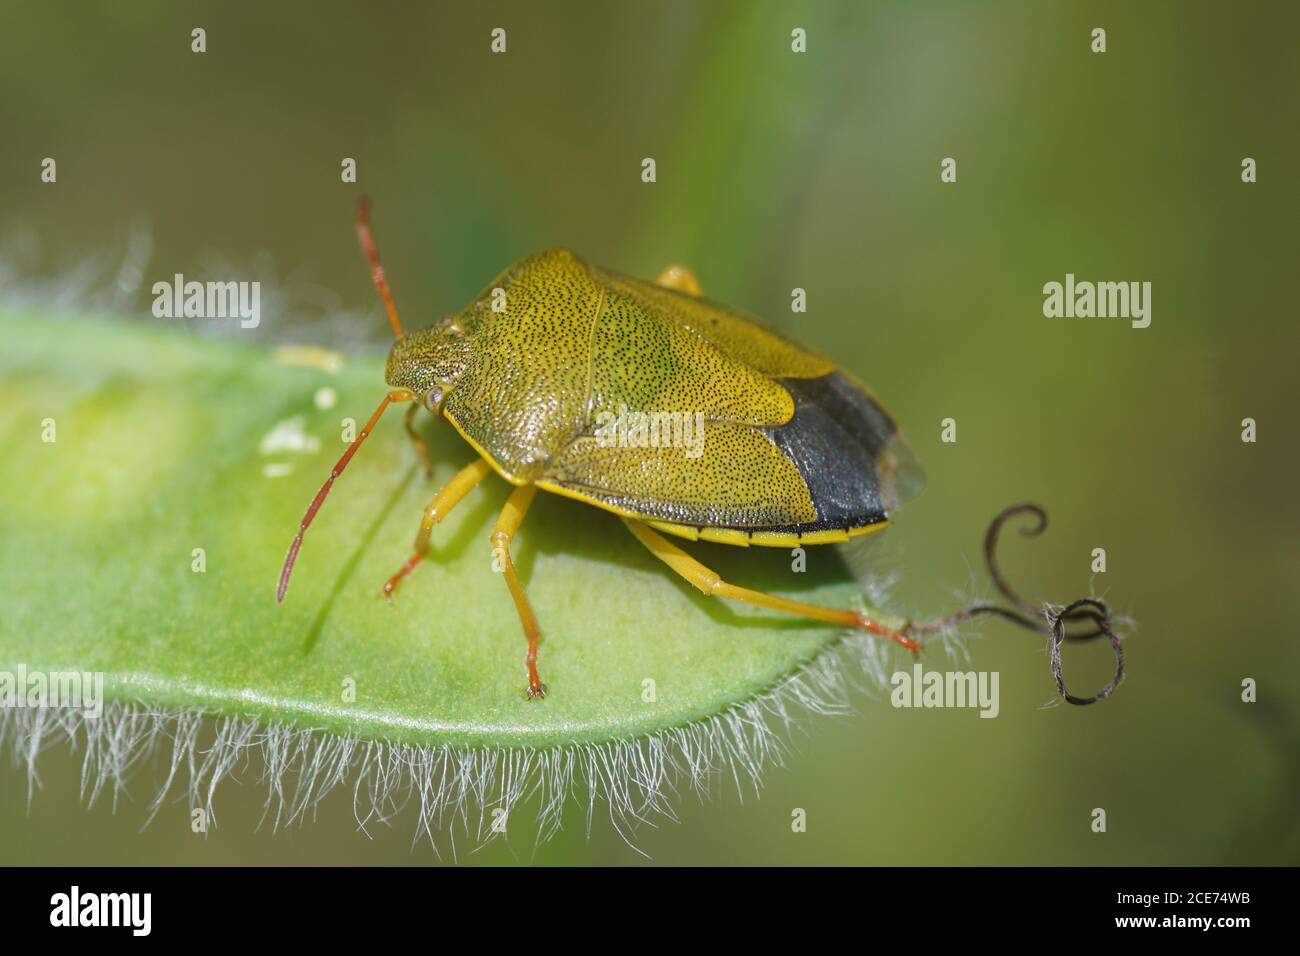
<point x="433" y="401"/>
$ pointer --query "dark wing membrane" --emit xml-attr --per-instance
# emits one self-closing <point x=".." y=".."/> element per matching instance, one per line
<point x="847" y="450"/>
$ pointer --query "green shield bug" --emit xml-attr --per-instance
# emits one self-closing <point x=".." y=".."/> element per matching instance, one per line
<point x="684" y="417"/>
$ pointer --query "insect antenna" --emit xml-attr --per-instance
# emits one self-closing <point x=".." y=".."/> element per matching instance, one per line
<point x="376" y="269"/>
<point x="401" y="395"/>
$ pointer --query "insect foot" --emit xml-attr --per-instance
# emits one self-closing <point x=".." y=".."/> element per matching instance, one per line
<point x="391" y="584"/>
<point x="867" y="624"/>
<point x="537" y="692"/>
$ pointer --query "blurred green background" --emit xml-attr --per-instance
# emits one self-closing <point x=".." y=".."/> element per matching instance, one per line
<point x="778" y="170"/>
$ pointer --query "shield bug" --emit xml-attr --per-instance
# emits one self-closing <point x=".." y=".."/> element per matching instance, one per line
<point x="684" y="417"/>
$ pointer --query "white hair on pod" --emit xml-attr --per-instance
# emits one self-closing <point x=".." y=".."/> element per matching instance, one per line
<point x="455" y="790"/>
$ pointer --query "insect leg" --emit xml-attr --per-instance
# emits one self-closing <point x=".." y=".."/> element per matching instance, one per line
<point x="421" y="447"/>
<point x="711" y="584"/>
<point x="680" y="278"/>
<point x="460" y="485"/>
<point x="512" y="516"/>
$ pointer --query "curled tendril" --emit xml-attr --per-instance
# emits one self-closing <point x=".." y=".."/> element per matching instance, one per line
<point x="1090" y="616"/>
<point x="1099" y="612"/>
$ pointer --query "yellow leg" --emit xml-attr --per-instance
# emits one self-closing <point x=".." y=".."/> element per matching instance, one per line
<point x="421" y="448"/>
<point x="460" y="485"/>
<point x="711" y="584"/>
<point x="512" y="516"/>
<point x="677" y="276"/>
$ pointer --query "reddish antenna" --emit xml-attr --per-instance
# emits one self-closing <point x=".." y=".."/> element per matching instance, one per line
<point x="401" y="395"/>
<point x="376" y="270"/>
